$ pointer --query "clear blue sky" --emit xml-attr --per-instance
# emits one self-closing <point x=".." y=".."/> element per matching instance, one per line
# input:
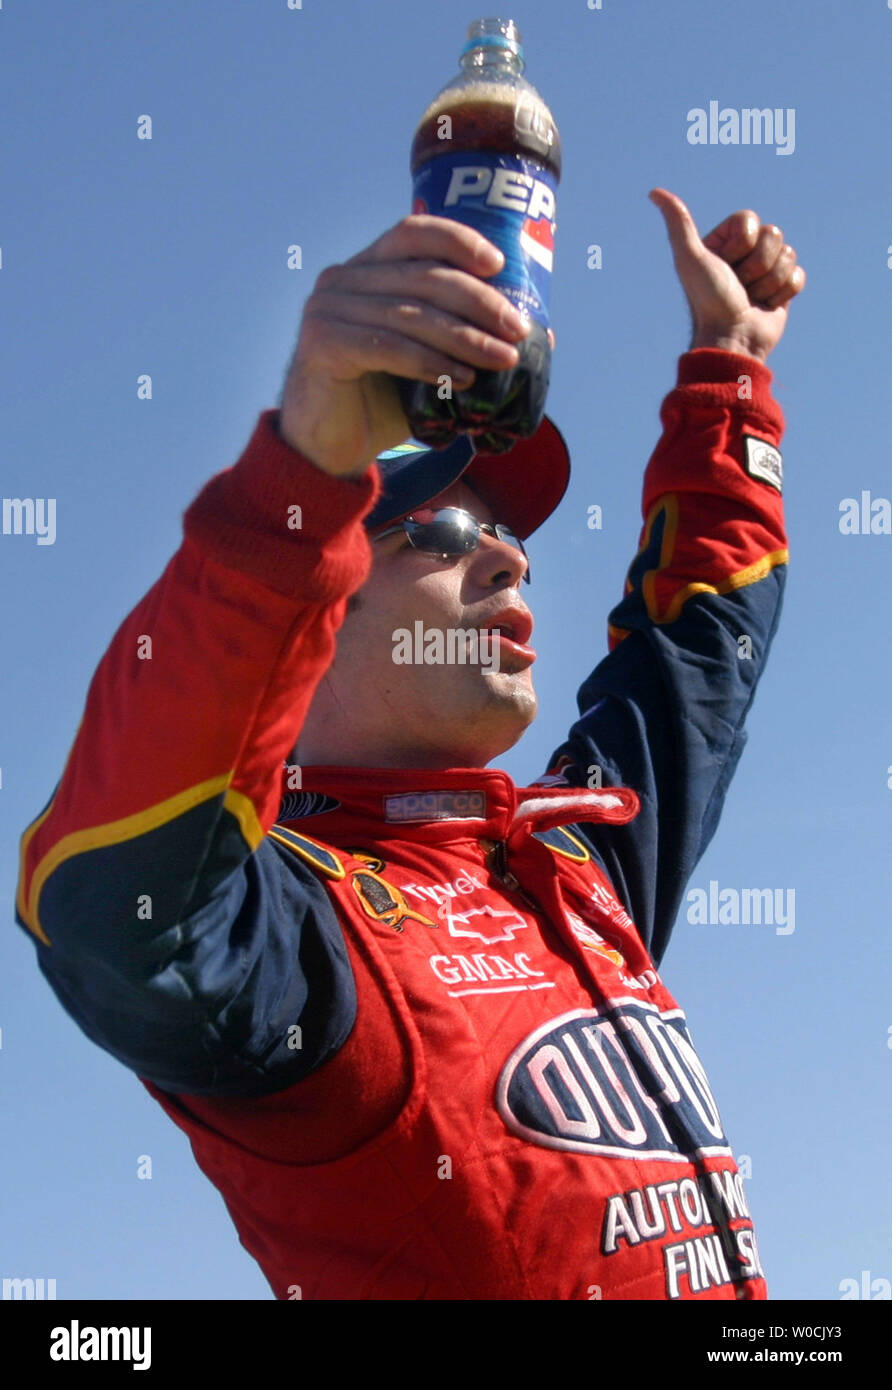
<point x="122" y="257"/>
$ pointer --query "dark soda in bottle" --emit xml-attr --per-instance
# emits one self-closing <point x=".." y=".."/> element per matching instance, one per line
<point x="487" y="152"/>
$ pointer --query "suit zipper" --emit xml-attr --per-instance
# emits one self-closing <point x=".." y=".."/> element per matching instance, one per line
<point x="499" y="867"/>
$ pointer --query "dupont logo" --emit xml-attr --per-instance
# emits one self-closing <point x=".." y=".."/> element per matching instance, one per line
<point x="620" y="1081"/>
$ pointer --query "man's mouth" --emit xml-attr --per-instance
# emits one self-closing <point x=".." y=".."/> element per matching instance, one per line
<point x="514" y="623"/>
<point x="512" y="632"/>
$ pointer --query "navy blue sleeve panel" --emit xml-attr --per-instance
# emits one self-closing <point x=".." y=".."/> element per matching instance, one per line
<point x="219" y="1004"/>
<point x="651" y="719"/>
<point x="664" y="711"/>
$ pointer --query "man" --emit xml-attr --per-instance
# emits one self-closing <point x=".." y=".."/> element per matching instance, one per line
<point x="409" y="1014"/>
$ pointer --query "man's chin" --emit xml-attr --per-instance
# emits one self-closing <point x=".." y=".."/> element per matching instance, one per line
<point x="513" y="691"/>
<point x="511" y="678"/>
<point x="499" y="704"/>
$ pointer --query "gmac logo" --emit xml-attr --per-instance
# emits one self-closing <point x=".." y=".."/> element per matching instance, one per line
<point x="623" y="1080"/>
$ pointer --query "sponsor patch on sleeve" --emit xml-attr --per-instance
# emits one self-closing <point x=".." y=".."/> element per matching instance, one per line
<point x="762" y="460"/>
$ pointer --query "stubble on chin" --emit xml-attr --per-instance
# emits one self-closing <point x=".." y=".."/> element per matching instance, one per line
<point x="511" y="691"/>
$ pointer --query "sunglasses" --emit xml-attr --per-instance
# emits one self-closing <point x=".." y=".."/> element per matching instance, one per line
<point x="450" y="532"/>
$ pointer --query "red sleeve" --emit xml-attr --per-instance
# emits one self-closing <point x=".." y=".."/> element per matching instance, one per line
<point x="175" y="771"/>
<point x="722" y="527"/>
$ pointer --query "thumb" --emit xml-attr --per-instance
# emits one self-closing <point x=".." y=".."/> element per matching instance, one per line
<point x="683" y="235"/>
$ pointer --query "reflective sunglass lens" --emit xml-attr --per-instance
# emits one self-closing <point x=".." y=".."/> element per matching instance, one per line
<point x="450" y="531"/>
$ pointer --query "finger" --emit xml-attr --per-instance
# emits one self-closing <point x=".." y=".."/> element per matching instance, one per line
<point x="795" y="284"/>
<point x="762" y="257"/>
<point x="345" y="351"/>
<point x="465" y="296"/>
<point x="767" y="285"/>
<point x="434" y="238"/>
<point x="395" y="318"/>
<point x="680" y="225"/>
<point x="425" y="323"/>
<point x="735" y="237"/>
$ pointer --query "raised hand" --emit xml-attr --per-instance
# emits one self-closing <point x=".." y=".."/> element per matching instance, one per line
<point x="739" y="279"/>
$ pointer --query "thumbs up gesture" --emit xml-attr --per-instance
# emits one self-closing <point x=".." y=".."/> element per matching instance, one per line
<point x="739" y="279"/>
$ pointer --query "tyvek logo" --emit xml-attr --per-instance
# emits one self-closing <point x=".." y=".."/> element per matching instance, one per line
<point x="501" y="925"/>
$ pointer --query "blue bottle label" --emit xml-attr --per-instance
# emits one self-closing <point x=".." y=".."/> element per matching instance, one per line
<point x="511" y="201"/>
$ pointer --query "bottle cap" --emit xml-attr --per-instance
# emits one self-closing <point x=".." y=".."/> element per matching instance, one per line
<point x="494" y="33"/>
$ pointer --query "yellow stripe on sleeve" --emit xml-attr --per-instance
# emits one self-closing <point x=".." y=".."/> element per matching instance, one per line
<point x="128" y="828"/>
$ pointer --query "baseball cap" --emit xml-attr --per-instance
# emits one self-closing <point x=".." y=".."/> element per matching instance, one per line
<point x="522" y="487"/>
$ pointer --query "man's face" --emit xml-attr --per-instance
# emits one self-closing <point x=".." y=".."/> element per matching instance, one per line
<point x="438" y="715"/>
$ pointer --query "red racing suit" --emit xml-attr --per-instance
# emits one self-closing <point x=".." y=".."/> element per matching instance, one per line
<point x="412" y="1022"/>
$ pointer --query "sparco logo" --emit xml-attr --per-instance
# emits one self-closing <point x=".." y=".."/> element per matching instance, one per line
<point x="501" y="188"/>
<point x="421" y="806"/>
<point x="621" y="1080"/>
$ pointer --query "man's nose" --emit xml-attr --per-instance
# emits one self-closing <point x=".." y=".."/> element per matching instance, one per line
<point x="498" y="561"/>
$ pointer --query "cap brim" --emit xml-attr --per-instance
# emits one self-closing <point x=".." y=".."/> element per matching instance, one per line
<point x="521" y="487"/>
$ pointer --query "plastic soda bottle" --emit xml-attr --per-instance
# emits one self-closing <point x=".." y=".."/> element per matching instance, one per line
<point x="487" y="152"/>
